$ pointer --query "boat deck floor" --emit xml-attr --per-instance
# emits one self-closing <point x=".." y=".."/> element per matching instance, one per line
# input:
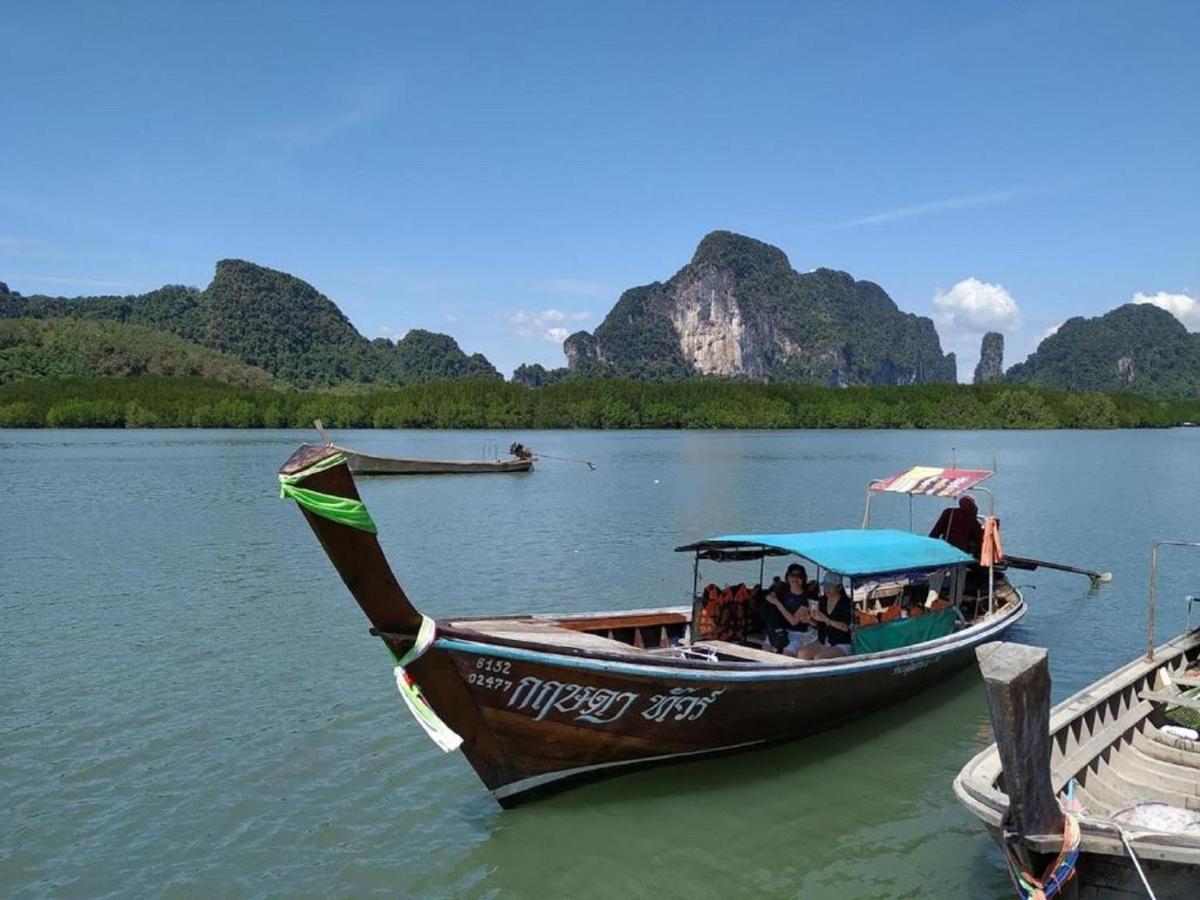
<point x="533" y="631"/>
<point x="1145" y="764"/>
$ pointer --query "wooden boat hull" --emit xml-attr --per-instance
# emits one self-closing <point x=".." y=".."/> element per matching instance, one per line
<point x="366" y="464"/>
<point x="1104" y="738"/>
<point x="549" y="720"/>
<point x="542" y="702"/>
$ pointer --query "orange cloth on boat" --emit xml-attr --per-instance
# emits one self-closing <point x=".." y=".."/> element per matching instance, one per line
<point x="993" y="551"/>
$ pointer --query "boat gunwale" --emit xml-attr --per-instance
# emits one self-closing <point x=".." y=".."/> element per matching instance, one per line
<point x="515" y="462"/>
<point x="450" y="637"/>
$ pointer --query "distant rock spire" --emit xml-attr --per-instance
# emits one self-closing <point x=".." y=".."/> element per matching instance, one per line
<point x="991" y="359"/>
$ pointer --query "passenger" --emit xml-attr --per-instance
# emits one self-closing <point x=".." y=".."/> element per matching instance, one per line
<point x="960" y="527"/>
<point x="833" y="614"/>
<point x="786" y="614"/>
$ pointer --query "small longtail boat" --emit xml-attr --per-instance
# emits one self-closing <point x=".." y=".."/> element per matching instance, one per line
<point x="519" y="460"/>
<point x="1101" y="795"/>
<point x="368" y="464"/>
<point x="540" y="702"/>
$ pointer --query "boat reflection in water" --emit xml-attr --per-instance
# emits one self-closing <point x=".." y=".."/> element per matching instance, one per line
<point x="537" y="703"/>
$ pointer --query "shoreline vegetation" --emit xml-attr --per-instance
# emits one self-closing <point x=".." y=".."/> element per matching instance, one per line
<point x="163" y="402"/>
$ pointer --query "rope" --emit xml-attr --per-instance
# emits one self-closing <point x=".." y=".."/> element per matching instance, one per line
<point x="1056" y="876"/>
<point x="587" y="462"/>
<point x="1138" y="866"/>
<point x="439" y="732"/>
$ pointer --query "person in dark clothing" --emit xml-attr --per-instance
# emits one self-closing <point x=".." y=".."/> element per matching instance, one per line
<point x="785" y="612"/>
<point x="833" y="615"/>
<point x="960" y="526"/>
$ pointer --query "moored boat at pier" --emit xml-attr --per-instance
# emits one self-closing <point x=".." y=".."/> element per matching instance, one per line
<point x="1101" y="793"/>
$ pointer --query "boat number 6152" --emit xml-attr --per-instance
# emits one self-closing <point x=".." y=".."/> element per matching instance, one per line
<point x="499" y="666"/>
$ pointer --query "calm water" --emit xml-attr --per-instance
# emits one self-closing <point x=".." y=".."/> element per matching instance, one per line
<point x="190" y="703"/>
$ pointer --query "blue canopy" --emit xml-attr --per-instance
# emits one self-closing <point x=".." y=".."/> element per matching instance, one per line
<point x="849" y="551"/>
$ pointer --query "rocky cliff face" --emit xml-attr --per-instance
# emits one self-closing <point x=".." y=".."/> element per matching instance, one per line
<point x="991" y="359"/>
<point x="739" y="309"/>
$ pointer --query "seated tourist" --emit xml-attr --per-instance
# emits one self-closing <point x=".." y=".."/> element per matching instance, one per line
<point x="785" y="612"/>
<point x="833" y="614"/>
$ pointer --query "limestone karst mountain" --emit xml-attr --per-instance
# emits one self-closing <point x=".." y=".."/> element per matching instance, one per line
<point x="990" y="367"/>
<point x="740" y="309"/>
<point x="1135" y="347"/>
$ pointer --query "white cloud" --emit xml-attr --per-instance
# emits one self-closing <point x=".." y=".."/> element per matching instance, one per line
<point x="1051" y="331"/>
<point x="976" y="306"/>
<point x="546" y="325"/>
<point x="392" y="334"/>
<point x="965" y="312"/>
<point x="1182" y="306"/>
<point x="934" y="206"/>
<point x="353" y="109"/>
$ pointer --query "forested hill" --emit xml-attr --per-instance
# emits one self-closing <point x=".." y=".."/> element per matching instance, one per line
<point x="740" y="309"/>
<point x="89" y="348"/>
<point x="1137" y="347"/>
<point x="272" y="321"/>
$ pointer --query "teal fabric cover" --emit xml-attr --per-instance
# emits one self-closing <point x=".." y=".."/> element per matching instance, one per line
<point x="853" y="551"/>
<point x="904" y="632"/>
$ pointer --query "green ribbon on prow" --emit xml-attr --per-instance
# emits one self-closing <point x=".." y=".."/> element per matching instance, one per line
<point x="342" y="510"/>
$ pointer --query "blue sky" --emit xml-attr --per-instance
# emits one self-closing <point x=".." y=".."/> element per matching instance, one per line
<point x="500" y="171"/>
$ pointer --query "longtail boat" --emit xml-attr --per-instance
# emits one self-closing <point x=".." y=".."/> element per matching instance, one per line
<point x="539" y="702"/>
<point x="1102" y="793"/>
<point x="368" y="464"/>
<point x="519" y="460"/>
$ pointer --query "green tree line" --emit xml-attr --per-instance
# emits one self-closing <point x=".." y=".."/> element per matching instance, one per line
<point x="147" y="401"/>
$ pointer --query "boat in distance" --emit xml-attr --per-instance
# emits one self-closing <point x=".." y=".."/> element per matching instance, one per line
<point x="540" y="702"/>
<point x="519" y="460"/>
<point x="368" y="464"/>
<point x="1102" y="792"/>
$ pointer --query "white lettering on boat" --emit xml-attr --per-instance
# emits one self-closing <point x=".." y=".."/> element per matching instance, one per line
<point x="597" y="706"/>
<point x="491" y="682"/>
<point x="681" y="704"/>
<point x="499" y="666"/>
<point x="912" y="666"/>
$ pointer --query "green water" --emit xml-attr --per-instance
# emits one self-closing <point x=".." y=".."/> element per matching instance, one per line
<point x="190" y="704"/>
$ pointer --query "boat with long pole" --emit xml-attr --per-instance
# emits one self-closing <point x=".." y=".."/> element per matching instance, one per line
<point x="539" y="702"/>
<point x="519" y="460"/>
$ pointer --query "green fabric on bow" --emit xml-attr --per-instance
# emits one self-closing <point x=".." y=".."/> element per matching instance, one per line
<point x="342" y="510"/>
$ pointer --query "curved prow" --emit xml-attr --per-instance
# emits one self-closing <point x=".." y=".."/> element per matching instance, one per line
<point x="347" y="534"/>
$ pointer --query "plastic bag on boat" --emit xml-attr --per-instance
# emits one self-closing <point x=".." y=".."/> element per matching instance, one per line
<point x="1154" y="816"/>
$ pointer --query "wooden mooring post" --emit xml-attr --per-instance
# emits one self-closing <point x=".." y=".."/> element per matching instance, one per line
<point x="1017" y="678"/>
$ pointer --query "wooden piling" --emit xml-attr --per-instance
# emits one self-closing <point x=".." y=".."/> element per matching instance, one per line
<point x="1017" y="678"/>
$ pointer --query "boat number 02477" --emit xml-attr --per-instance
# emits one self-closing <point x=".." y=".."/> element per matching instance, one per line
<point x="489" y="681"/>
